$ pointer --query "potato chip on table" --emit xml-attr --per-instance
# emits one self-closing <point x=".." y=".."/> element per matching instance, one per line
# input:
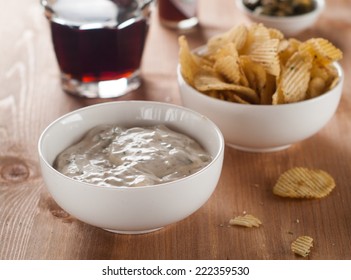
<point x="301" y="182"/>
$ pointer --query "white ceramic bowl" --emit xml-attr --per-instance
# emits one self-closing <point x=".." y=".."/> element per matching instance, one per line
<point x="133" y="209"/>
<point x="289" y="25"/>
<point x="264" y="128"/>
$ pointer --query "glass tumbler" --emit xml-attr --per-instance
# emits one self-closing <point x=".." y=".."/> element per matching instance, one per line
<point x="98" y="44"/>
<point x="178" y="14"/>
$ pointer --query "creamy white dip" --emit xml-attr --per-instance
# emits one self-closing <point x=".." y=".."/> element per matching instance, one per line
<point x="139" y="156"/>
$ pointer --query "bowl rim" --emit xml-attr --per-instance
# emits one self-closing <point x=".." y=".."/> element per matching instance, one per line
<point x="267" y="106"/>
<point x="320" y="4"/>
<point x="214" y="159"/>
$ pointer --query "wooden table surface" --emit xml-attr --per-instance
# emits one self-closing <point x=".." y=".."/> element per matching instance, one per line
<point x="32" y="225"/>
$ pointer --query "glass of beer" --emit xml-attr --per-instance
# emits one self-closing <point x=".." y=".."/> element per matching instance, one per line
<point x="98" y="44"/>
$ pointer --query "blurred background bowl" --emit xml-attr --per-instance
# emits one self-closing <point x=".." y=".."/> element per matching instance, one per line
<point x="264" y="128"/>
<point x="289" y="25"/>
<point x="133" y="209"/>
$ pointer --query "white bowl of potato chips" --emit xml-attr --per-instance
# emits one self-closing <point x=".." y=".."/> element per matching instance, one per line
<point x="263" y="91"/>
<point x="290" y="16"/>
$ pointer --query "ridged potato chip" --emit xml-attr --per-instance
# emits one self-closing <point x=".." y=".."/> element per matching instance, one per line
<point x="268" y="90"/>
<point x="300" y="182"/>
<point x="228" y="67"/>
<point x="238" y="99"/>
<point x="257" y="35"/>
<point x="217" y="42"/>
<point x="302" y="245"/>
<point x="328" y="73"/>
<point x="232" y="96"/>
<point x="278" y="96"/>
<point x="286" y="49"/>
<point x="266" y="54"/>
<point x="323" y="51"/>
<point x="227" y="64"/>
<point x="236" y="35"/>
<point x="316" y="87"/>
<point x="333" y="83"/>
<point x="254" y="73"/>
<point x="245" y="221"/>
<point x="295" y="77"/>
<point x="186" y="58"/>
<point x="275" y="34"/>
<point x="205" y="83"/>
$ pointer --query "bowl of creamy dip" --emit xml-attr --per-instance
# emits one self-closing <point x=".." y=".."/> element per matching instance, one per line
<point x="131" y="166"/>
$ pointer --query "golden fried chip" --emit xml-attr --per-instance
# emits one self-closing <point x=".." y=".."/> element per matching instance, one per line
<point x="227" y="63"/>
<point x="188" y="63"/>
<point x="238" y="99"/>
<point x="278" y="96"/>
<point x="319" y="70"/>
<point x="254" y="73"/>
<point x="229" y="95"/>
<point x="323" y="51"/>
<point x="228" y="49"/>
<point x="238" y="35"/>
<point x="327" y="73"/>
<point x="287" y="48"/>
<point x="283" y="46"/>
<point x="295" y="77"/>
<point x="266" y="54"/>
<point x="316" y="87"/>
<point x="333" y="83"/>
<point x="302" y="245"/>
<point x="216" y="42"/>
<point x="245" y="221"/>
<point x="275" y="34"/>
<point x="268" y="90"/>
<point x="214" y="94"/>
<point x="217" y="94"/>
<point x="257" y="34"/>
<point x="205" y="83"/>
<point x="300" y="182"/>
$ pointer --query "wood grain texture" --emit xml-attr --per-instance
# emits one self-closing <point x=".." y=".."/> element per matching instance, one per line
<point x="33" y="226"/>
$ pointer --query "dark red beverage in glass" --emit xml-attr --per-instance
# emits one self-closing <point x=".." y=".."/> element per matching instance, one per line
<point x="98" y="44"/>
<point x="99" y="54"/>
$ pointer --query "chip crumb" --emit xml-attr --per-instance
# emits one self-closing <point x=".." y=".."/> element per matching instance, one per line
<point x="302" y="245"/>
<point x="246" y="221"/>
